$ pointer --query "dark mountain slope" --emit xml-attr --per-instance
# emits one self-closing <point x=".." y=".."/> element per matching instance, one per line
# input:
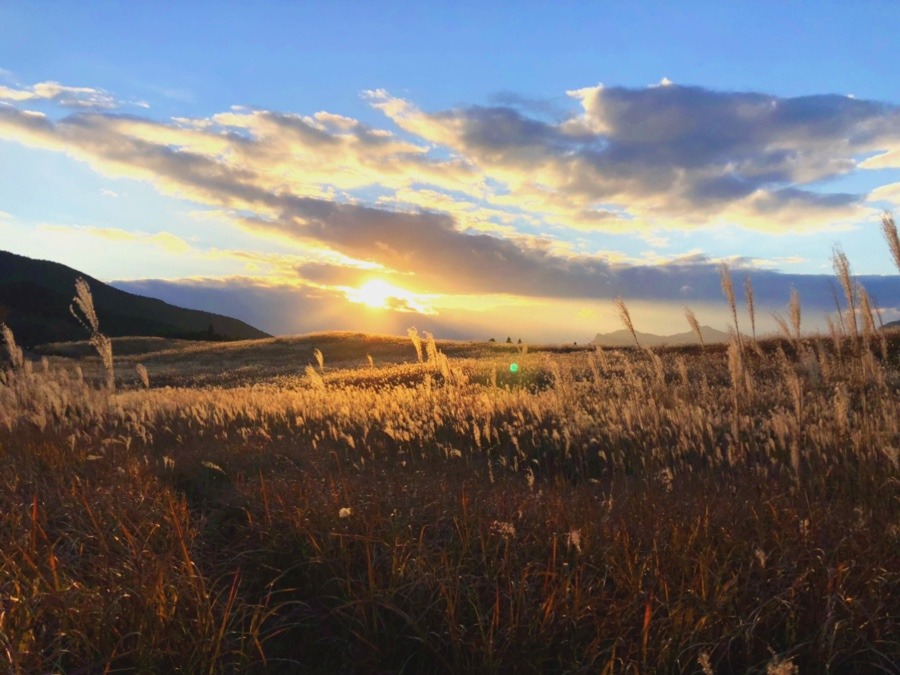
<point x="35" y="296"/>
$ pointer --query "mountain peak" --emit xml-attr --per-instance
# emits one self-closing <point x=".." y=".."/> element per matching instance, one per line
<point x="623" y="338"/>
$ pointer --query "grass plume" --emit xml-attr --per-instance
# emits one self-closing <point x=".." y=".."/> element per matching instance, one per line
<point x="13" y="351"/>
<point x="728" y="290"/>
<point x="889" y="229"/>
<point x="82" y="308"/>
<point x="842" y="270"/>
<point x="625" y="317"/>
<point x="694" y="324"/>
<point x="751" y="307"/>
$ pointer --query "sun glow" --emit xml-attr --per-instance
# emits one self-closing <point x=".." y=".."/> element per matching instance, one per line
<point x="382" y="295"/>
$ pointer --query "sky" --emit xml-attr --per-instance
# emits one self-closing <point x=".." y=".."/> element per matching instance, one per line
<point x="473" y="169"/>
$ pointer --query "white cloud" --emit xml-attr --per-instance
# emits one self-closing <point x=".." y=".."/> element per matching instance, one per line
<point x="451" y="221"/>
<point x="67" y="97"/>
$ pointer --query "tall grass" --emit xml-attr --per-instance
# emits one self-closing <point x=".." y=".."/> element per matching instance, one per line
<point x="617" y="511"/>
<point x="82" y="308"/>
<point x="625" y="317"/>
<point x="889" y="229"/>
<point x="842" y="270"/>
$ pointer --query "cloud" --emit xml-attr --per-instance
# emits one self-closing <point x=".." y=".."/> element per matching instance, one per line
<point x="67" y="97"/>
<point x="672" y="154"/>
<point x="443" y="205"/>
<point x="164" y="240"/>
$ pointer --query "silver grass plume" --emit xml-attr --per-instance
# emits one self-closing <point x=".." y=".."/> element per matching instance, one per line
<point x="751" y="308"/>
<point x="84" y="303"/>
<point x="695" y="325"/>
<point x="728" y="290"/>
<point x="625" y="318"/>
<point x="16" y="357"/>
<point x="417" y="342"/>
<point x="795" y="314"/>
<point x="889" y="229"/>
<point x="842" y="269"/>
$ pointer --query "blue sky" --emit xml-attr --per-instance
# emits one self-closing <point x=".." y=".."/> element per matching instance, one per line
<point x="473" y="163"/>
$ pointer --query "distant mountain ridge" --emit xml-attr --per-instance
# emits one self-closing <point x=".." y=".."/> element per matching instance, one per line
<point x="35" y="296"/>
<point x="623" y="338"/>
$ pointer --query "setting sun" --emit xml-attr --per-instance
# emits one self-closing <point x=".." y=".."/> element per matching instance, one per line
<point x="382" y="295"/>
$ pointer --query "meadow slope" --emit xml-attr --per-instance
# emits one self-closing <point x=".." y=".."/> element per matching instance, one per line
<point x="262" y="506"/>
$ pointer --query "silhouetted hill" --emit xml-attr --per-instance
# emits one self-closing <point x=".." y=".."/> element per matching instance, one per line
<point x="893" y="324"/>
<point x="622" y="338"/>
<point x="35" y="296"/>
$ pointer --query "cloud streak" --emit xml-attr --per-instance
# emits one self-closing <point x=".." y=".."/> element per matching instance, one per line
<point x="65" y="96"/>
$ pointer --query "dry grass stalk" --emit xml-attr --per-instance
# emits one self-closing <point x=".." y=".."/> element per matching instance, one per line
<point x="431" y="350"/>
<point x="842" y="269"/>
<point x="865" y="308"/>
<point x="782" y="326"/>
<point x="83" y="303"/>
<point x="889" y="228"/>
<point x="416" y="340"/>
<point x="751" y="308"/>
<point x="795" y="315"/>
<point x="728" y="290"/>
<point x="16" y="356"/>
<point x="736" y="368"/>
<point x="837" y="307"/>
<point x="314" y="378"/>
<point x="143" y="375"/>
<point x="320" y="359"/>
<point x="625" y="318"/>
<point x="695" y="325"/>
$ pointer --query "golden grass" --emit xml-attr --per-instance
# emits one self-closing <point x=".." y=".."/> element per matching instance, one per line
<point x="352" y="503"/>
<point x="631" y="513"/>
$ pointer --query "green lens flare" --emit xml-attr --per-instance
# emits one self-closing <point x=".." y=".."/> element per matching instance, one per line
<point x="514" y="367"/>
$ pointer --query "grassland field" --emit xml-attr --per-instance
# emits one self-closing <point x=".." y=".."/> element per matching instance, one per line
<point x="341" y="502"/>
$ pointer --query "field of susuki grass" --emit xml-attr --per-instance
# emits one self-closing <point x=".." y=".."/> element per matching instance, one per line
<point x="296" y="506"/>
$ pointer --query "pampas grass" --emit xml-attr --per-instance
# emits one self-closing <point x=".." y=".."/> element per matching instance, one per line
<point x="751" y="310"/>
<point x="13" y="351"/>
<point x="625" y="318"/>
<point x="143" y="375"/>
<point x="695" y="325"/>
<point x="82" y="308"/>
<point x="416" y="341"/>
<point x="795" y="314"/>
<point x="320" y="359"/>
<point x="728" y="290"/>
<point x="889" y="229"/>
<point x="842" y="270"/>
